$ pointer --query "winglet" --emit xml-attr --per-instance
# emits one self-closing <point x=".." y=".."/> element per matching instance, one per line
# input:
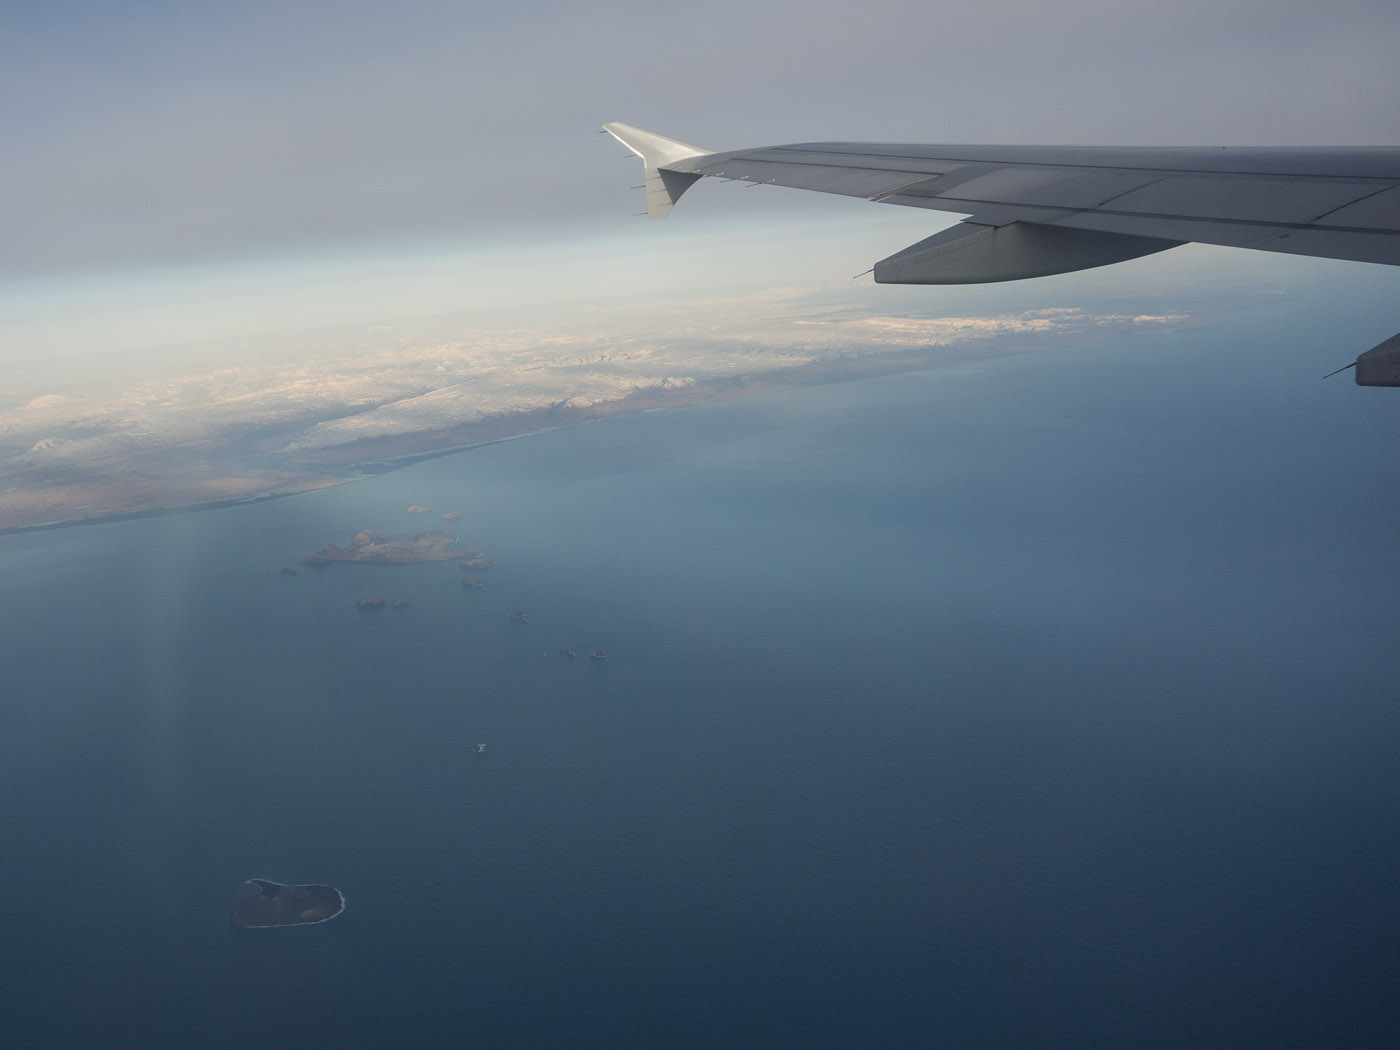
<point x="664" y="185"/>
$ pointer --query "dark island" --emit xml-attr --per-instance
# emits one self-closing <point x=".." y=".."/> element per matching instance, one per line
<point x="404" y="549"/>
<point x="279" y="905"/>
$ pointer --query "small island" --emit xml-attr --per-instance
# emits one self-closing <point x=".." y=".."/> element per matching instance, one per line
<point x="279" y="905"/>
<point x="404" y="549"/>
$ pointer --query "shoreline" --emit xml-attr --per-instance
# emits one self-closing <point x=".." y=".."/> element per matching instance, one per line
<point x="640" y="402"/>
<point x="361" y="472"/>
<point x="194" y="507"/>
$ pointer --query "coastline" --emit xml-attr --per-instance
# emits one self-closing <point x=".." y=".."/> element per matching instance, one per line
<point x="362" y="471"/>
<point x="340" y="465"/>
<point x="193" y="507"/>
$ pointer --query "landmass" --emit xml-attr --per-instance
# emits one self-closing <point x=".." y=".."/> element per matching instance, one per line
<point x="276" y="904"/>
<point x="110" y="453"/>
<point x="404" y="549"/>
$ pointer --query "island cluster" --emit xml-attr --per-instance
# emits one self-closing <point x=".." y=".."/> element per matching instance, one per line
<point x="279" y="904"/>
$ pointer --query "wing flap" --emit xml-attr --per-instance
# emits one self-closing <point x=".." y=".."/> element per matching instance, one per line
<point x="1242" y="198"/>
<point x="1380" y="211"/>
<point x="1374" y="246"/>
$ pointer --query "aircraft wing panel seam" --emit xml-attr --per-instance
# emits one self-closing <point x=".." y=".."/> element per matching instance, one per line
<point x="1316" y="220"/>
<point x="972" y="207"/>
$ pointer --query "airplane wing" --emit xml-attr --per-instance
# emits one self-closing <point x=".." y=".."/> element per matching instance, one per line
<point x="1038" y="210"/>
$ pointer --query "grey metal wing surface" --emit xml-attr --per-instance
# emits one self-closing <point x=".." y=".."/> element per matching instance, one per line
<point x="1038" y="210"/>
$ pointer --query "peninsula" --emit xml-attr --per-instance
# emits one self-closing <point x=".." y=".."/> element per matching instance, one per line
<point x="403" y="549"/>
<point x="279" y="905"/>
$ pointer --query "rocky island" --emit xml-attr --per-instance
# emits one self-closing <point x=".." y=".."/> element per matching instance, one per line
<point x="279" y="905"/>
<point x="404" y="549"/>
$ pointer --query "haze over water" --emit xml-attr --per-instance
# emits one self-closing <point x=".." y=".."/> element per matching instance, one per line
<point x="1050" y="702"/>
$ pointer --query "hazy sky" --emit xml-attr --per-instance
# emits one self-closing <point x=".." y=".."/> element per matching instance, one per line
<point x="240" y="173"/>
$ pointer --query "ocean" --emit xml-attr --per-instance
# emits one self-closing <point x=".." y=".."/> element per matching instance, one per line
<point x="1049" y="701"/>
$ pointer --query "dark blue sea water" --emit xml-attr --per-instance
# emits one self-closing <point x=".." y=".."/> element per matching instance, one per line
<point x="1051" y="702"/>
